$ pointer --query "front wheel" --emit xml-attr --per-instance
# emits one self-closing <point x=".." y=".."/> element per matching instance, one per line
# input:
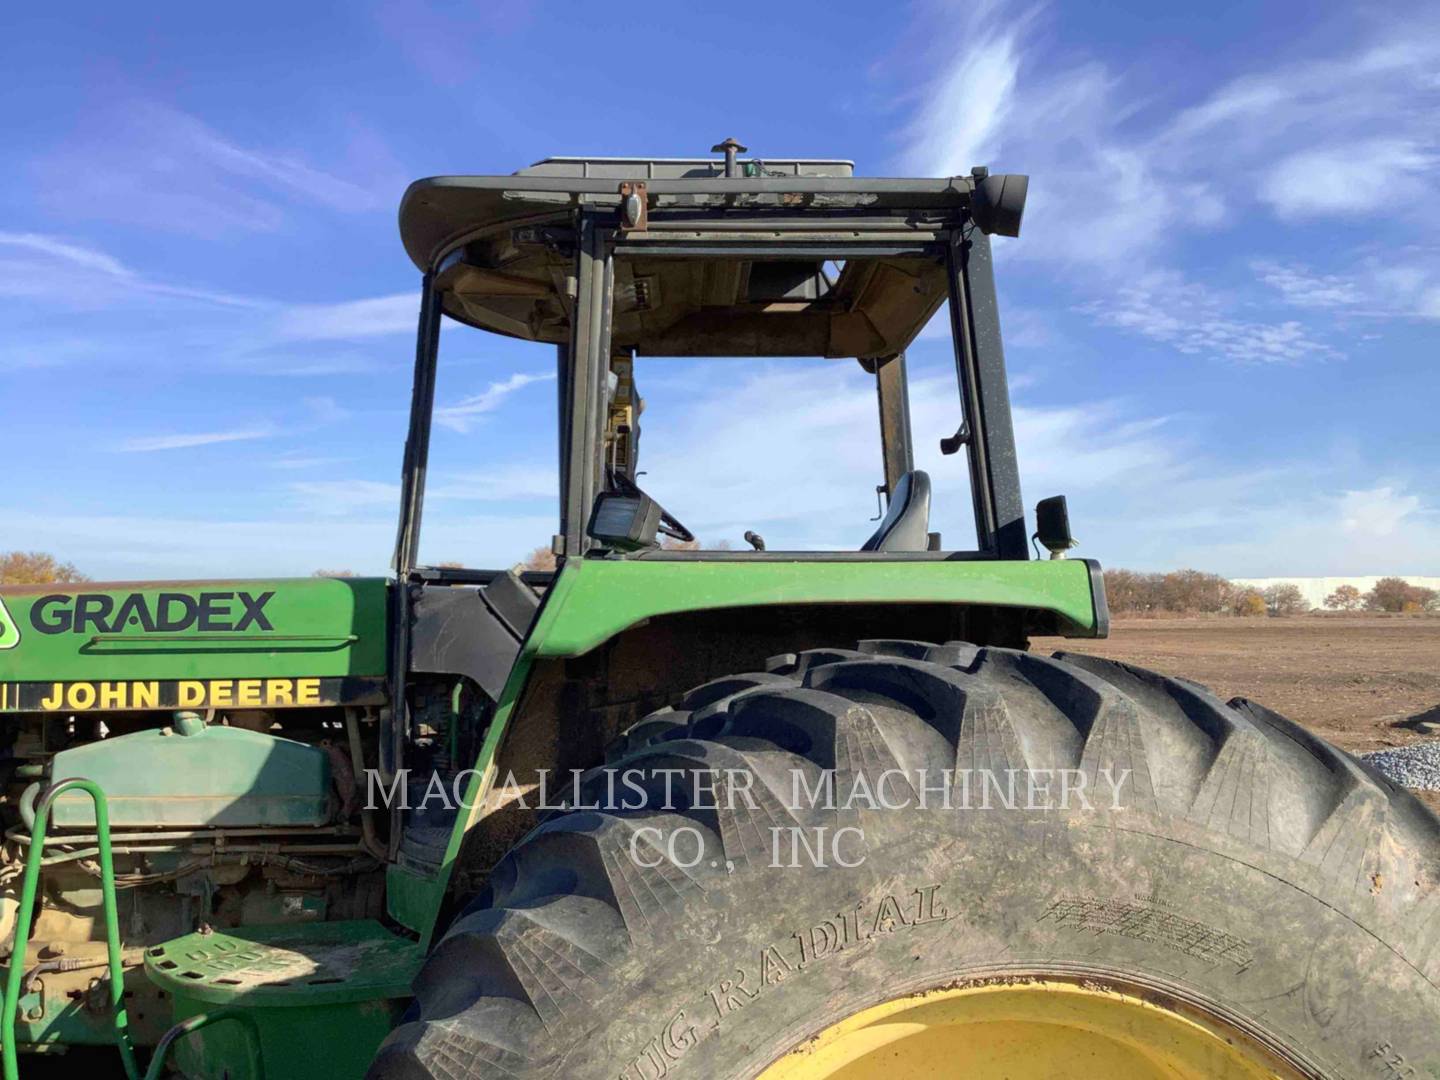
<point x="900" y="891"/>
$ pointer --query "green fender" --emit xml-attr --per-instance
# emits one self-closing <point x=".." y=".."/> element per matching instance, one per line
<point x="592" y="600"/>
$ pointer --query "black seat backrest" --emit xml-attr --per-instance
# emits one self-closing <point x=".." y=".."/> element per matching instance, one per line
<point x="906" y="526"/>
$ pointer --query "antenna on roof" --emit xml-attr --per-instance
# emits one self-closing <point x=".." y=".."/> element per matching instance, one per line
<point x="730" y="148"/>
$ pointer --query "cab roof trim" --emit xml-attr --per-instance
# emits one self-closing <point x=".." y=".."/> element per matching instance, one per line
<point x="440" y="211"/>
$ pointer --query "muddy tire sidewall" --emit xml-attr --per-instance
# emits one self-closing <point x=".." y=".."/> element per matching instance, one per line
<point x="753" y="970"/>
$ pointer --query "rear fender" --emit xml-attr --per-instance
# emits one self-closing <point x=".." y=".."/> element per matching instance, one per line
<point x="598" y="611"/>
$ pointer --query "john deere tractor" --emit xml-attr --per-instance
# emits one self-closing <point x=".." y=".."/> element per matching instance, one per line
<point x="673" y="812"/>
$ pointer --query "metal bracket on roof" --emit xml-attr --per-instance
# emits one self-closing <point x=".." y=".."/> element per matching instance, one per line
<point x="559" y="240"/>
<point x="634" y="206"/>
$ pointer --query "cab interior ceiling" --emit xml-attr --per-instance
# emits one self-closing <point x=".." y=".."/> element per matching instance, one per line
<point x="707" y="305"/>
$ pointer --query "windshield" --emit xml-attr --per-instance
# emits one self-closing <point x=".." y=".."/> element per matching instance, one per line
<point x="720" y="392"/>
<point x="790" y="449"/>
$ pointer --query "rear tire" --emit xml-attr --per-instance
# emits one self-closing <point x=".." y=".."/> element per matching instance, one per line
<point x="1248" y="871"/>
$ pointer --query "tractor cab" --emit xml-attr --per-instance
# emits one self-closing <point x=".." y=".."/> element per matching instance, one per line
<point x="767" y="934"/>
<point x="614" y="259"/>
<point x="620" y="261"/>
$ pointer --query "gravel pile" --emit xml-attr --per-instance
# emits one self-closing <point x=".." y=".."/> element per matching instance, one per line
<point x="1415" y="766"/>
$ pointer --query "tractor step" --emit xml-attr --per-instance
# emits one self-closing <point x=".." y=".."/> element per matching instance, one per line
<point x="349" y="980"/>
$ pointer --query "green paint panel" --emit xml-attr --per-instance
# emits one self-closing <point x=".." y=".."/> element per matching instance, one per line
<point x="409" y="897"/>
<point x="593" y="600"/>
<point x="322" y="995"/>
<point x="213" y="777"/>
<point x="604" y="597"/>
<point x="194" y="630"/>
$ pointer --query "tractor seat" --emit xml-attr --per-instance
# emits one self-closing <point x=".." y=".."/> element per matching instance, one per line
<point x="906" y="526"/>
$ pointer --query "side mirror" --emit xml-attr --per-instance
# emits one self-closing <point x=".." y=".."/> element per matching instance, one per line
<point x="1052" y="526"/>
<point x="625" y="522"/>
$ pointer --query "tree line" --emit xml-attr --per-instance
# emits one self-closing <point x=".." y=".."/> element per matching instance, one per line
<point x="35" y="568"/>
<point x="1389" y="594"/>
<point x="1194" y="592"/>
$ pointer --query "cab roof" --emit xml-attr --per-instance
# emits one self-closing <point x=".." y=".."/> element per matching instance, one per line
<point x="787" y="257"/>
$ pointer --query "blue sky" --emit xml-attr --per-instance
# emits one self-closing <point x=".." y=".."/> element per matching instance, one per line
<point x="1222" y="316"/>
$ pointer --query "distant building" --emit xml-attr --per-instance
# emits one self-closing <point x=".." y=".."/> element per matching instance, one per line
<point x="1316" y="589"/>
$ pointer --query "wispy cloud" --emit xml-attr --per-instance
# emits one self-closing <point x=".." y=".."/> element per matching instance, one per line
<point x="1102" y="199"/>
<point x="1379" y="511"/>
<point x="1164" y="307"/>
<point x="1339" y="180"/>
<point x="1299" y="285"/>
<point x="505" y="482"/>
<point x="1126" y="175"/>
<point x="285" y="363"/>
<point x="1316" y="529"/>
<point x="59" y="269"/>
<point x="1306" y="138"/>
<point x="187" y="440"/>
<point x="341" y="497"/>
<point x="1329" y="136"/>
<point x="445" y="43"/>
<point x="324" y="409"/>
<point x="298" y="462"/>
<point x="350" y="319"/>
<point x="463" y="415"/>
<point x="1403" y="282"/>
<point x="1326" y="137"/>
<point x="74" y="254"/>
<point x="316" y="412"/>
<point x="284" y="172"/>
<point x="963" y="118"/>
<point x="147" y="163"/>
<point x="500" y="483"/>
<point x="822" y="424"/>
<point x="62" y="273"/>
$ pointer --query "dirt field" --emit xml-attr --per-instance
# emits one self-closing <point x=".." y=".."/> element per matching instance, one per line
<point x="1361" y="682"/>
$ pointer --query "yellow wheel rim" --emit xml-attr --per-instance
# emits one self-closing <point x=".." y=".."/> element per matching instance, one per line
<point x="1028" y="1030"/>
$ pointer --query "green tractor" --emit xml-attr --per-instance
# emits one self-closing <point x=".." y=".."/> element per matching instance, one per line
<point x="671" y="812"/>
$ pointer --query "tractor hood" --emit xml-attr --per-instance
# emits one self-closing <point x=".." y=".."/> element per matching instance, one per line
<point x="120" y="646"/>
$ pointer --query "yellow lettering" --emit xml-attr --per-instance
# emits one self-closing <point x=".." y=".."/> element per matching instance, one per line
<point x="220" y="692"/>
<point x="144" y="695"/>
<point x="81" y="695"/>
<point x="112" y="695"/>
<point x="307" y="691"/>
<point x="57" y="696"/>
<point x="279" y="692"/>
<point x="189" y="693"/>
<point x="247" y="692"/>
